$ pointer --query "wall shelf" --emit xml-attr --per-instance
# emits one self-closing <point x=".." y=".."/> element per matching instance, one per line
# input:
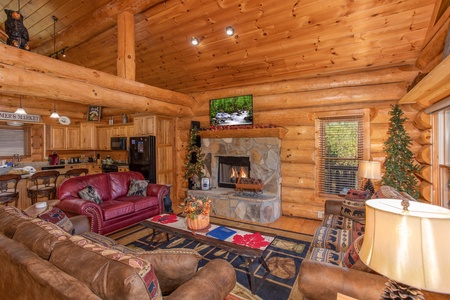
<point x="277" y="132"/>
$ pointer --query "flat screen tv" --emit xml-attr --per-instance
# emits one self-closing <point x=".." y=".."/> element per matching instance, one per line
<point x="232" y="111"/>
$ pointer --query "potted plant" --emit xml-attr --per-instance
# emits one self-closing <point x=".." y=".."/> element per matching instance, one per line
<point x="197" y="212"/>
<point x="399" y="165"/>
<point x="194" y="160"/>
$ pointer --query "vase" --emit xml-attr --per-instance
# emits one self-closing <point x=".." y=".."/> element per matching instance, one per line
<point x="201" y="222"/>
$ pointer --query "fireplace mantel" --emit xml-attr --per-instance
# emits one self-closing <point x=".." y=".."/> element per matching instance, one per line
<point x="277" y="132"/>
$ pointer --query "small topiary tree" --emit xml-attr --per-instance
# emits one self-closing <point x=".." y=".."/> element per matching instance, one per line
<point x="399" y="165"/>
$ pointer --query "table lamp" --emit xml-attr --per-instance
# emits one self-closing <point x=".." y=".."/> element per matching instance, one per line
<point x="409" y="245"/>
<point x="369" y="170"/>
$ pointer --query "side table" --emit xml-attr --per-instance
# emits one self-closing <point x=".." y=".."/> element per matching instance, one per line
<point x="33" y="211"/>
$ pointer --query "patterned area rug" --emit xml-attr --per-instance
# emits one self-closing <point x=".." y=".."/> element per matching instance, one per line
<point x="283" y="257"/>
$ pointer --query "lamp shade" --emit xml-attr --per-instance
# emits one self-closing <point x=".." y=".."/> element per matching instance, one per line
<point x="410" y="247"/>
<point x="369" y="169"/>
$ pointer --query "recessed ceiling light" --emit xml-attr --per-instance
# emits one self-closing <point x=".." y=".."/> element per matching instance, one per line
<point x="229" y="30"/>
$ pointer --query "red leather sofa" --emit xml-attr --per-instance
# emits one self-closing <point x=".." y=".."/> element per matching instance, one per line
<point x="117" y="210"/>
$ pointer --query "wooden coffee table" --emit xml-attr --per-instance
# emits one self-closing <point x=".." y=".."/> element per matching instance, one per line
<point x="179" y="229"/>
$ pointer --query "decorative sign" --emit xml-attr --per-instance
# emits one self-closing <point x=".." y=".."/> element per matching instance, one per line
<point x="19" y="117"/>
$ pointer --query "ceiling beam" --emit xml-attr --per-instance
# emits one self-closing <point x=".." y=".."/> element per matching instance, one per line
<point x="45" y="65"/>
<point x="93" y="24"/>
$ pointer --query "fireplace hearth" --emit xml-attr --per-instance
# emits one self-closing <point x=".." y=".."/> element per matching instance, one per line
<point x="231" y="168"/>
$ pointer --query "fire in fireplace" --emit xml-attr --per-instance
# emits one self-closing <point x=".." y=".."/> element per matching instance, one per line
<point x="231" y="168"/>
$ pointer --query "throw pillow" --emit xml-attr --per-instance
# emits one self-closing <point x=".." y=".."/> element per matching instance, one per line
<point x="91" y="194"/>
<point x="353" y="194"/>
<point x="355" y="210"/>
<point x="351" y="258"/>
<point x="387" y="192"/>
<point x="138" y="188"/>
<point x="57" y="217"/>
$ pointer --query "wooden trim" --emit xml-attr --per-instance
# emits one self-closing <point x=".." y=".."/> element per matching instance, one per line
<point x="278" y="132"/>
<point x="432" y="88"/>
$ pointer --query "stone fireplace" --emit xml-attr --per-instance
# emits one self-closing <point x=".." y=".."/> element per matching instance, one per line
<point x="259" y="158"/>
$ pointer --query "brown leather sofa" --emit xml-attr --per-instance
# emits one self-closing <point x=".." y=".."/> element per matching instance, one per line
<point x="41" y="261"/>
<point x="319" y="280"/>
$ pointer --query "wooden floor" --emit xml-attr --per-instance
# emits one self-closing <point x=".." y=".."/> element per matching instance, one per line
<point x="294" y="224"/>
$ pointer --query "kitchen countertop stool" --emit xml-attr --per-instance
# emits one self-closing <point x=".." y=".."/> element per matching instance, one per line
<point x="76" y="172"/>
<point x="8" y="188"/>
<point x="43" y="185"/>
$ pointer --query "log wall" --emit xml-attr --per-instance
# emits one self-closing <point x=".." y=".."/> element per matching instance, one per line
<point x="292" y="105"/>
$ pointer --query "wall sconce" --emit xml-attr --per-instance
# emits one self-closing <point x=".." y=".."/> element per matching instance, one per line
<point x="369" y="170"/>
<point x="20" y="110"/>
<point x="408" y="246"/>
<point x="229" y="31"/>
<point x="54" y="114"/>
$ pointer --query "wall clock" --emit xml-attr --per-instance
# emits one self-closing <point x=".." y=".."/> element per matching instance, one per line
<point x="64" y="120"/>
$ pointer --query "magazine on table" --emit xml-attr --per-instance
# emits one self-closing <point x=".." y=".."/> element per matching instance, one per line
<point x="221" y="233"/>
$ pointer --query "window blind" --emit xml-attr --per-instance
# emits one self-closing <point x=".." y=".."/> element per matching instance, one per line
<point x="14" y="140"/>
<point x="340" y="149"/>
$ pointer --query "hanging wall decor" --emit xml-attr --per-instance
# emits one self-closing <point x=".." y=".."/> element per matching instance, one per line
<point x="94" y="113"/>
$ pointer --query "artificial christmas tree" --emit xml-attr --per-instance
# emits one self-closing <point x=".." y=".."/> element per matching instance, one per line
<point x="399" y="165"/>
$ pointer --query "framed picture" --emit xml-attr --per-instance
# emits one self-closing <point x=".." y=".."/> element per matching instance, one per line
<point x="94" y="113"/>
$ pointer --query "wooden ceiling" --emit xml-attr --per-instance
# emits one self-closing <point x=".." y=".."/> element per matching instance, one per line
<point x="274" y="41"/>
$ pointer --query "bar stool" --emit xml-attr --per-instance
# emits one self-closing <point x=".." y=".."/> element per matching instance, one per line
<point x="76" y="172"/>
<point x="44" y="185"/>
<point x="8" y="189"/>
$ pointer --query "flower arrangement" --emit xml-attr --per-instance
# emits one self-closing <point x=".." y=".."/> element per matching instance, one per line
<point x="197" y="212"/>
<point x="195" y="207"/>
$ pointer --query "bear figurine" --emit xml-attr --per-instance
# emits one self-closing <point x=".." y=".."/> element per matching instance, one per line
<point x="16" y="31"/>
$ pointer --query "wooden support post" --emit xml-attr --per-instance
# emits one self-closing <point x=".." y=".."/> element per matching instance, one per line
<point x="126" y="56"/>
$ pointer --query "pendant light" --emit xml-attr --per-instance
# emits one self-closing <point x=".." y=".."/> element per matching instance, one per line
<point x="54" y="113"/>
<point x="20" y="110"/>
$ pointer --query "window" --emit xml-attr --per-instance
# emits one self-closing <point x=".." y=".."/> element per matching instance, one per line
<point x="14" y="140"/>
<point x="442" y="158"/>
<point x="340" y="148"/>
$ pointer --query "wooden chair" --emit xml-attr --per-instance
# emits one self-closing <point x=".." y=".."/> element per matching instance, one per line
<point x="8" y="189"/>
<point x="76" y="172"/>
<point x="43" y="185"/>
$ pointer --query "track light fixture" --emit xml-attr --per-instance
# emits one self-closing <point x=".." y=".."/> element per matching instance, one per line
<point x="229" y="31"/>
<point x="195" y="41"/>
<point x="55" y="53"/>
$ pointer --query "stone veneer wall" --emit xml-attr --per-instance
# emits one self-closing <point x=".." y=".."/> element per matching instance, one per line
<point x="264" y="154"/>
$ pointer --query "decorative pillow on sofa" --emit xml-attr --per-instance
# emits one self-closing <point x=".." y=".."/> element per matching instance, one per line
<point x="387" y="192"/>
<point x="351" y="258"/>
<point x="91" y="194"/>
<point x="57" y="217"/>
<point x="355" y="210"/>
<point x="138" y="188"/>
<point x="353" y="194"/>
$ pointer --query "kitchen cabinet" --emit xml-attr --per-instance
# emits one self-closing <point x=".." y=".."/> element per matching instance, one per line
<point x="122" y="130"/>
<point x="88" y="136"/>
<point x="104" y="138"/>
<point x="61" y="137"/>
<point x="144" y="125"/>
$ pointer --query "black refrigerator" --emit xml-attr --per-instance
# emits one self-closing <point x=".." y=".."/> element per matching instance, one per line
<point x="143" y="156"/>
